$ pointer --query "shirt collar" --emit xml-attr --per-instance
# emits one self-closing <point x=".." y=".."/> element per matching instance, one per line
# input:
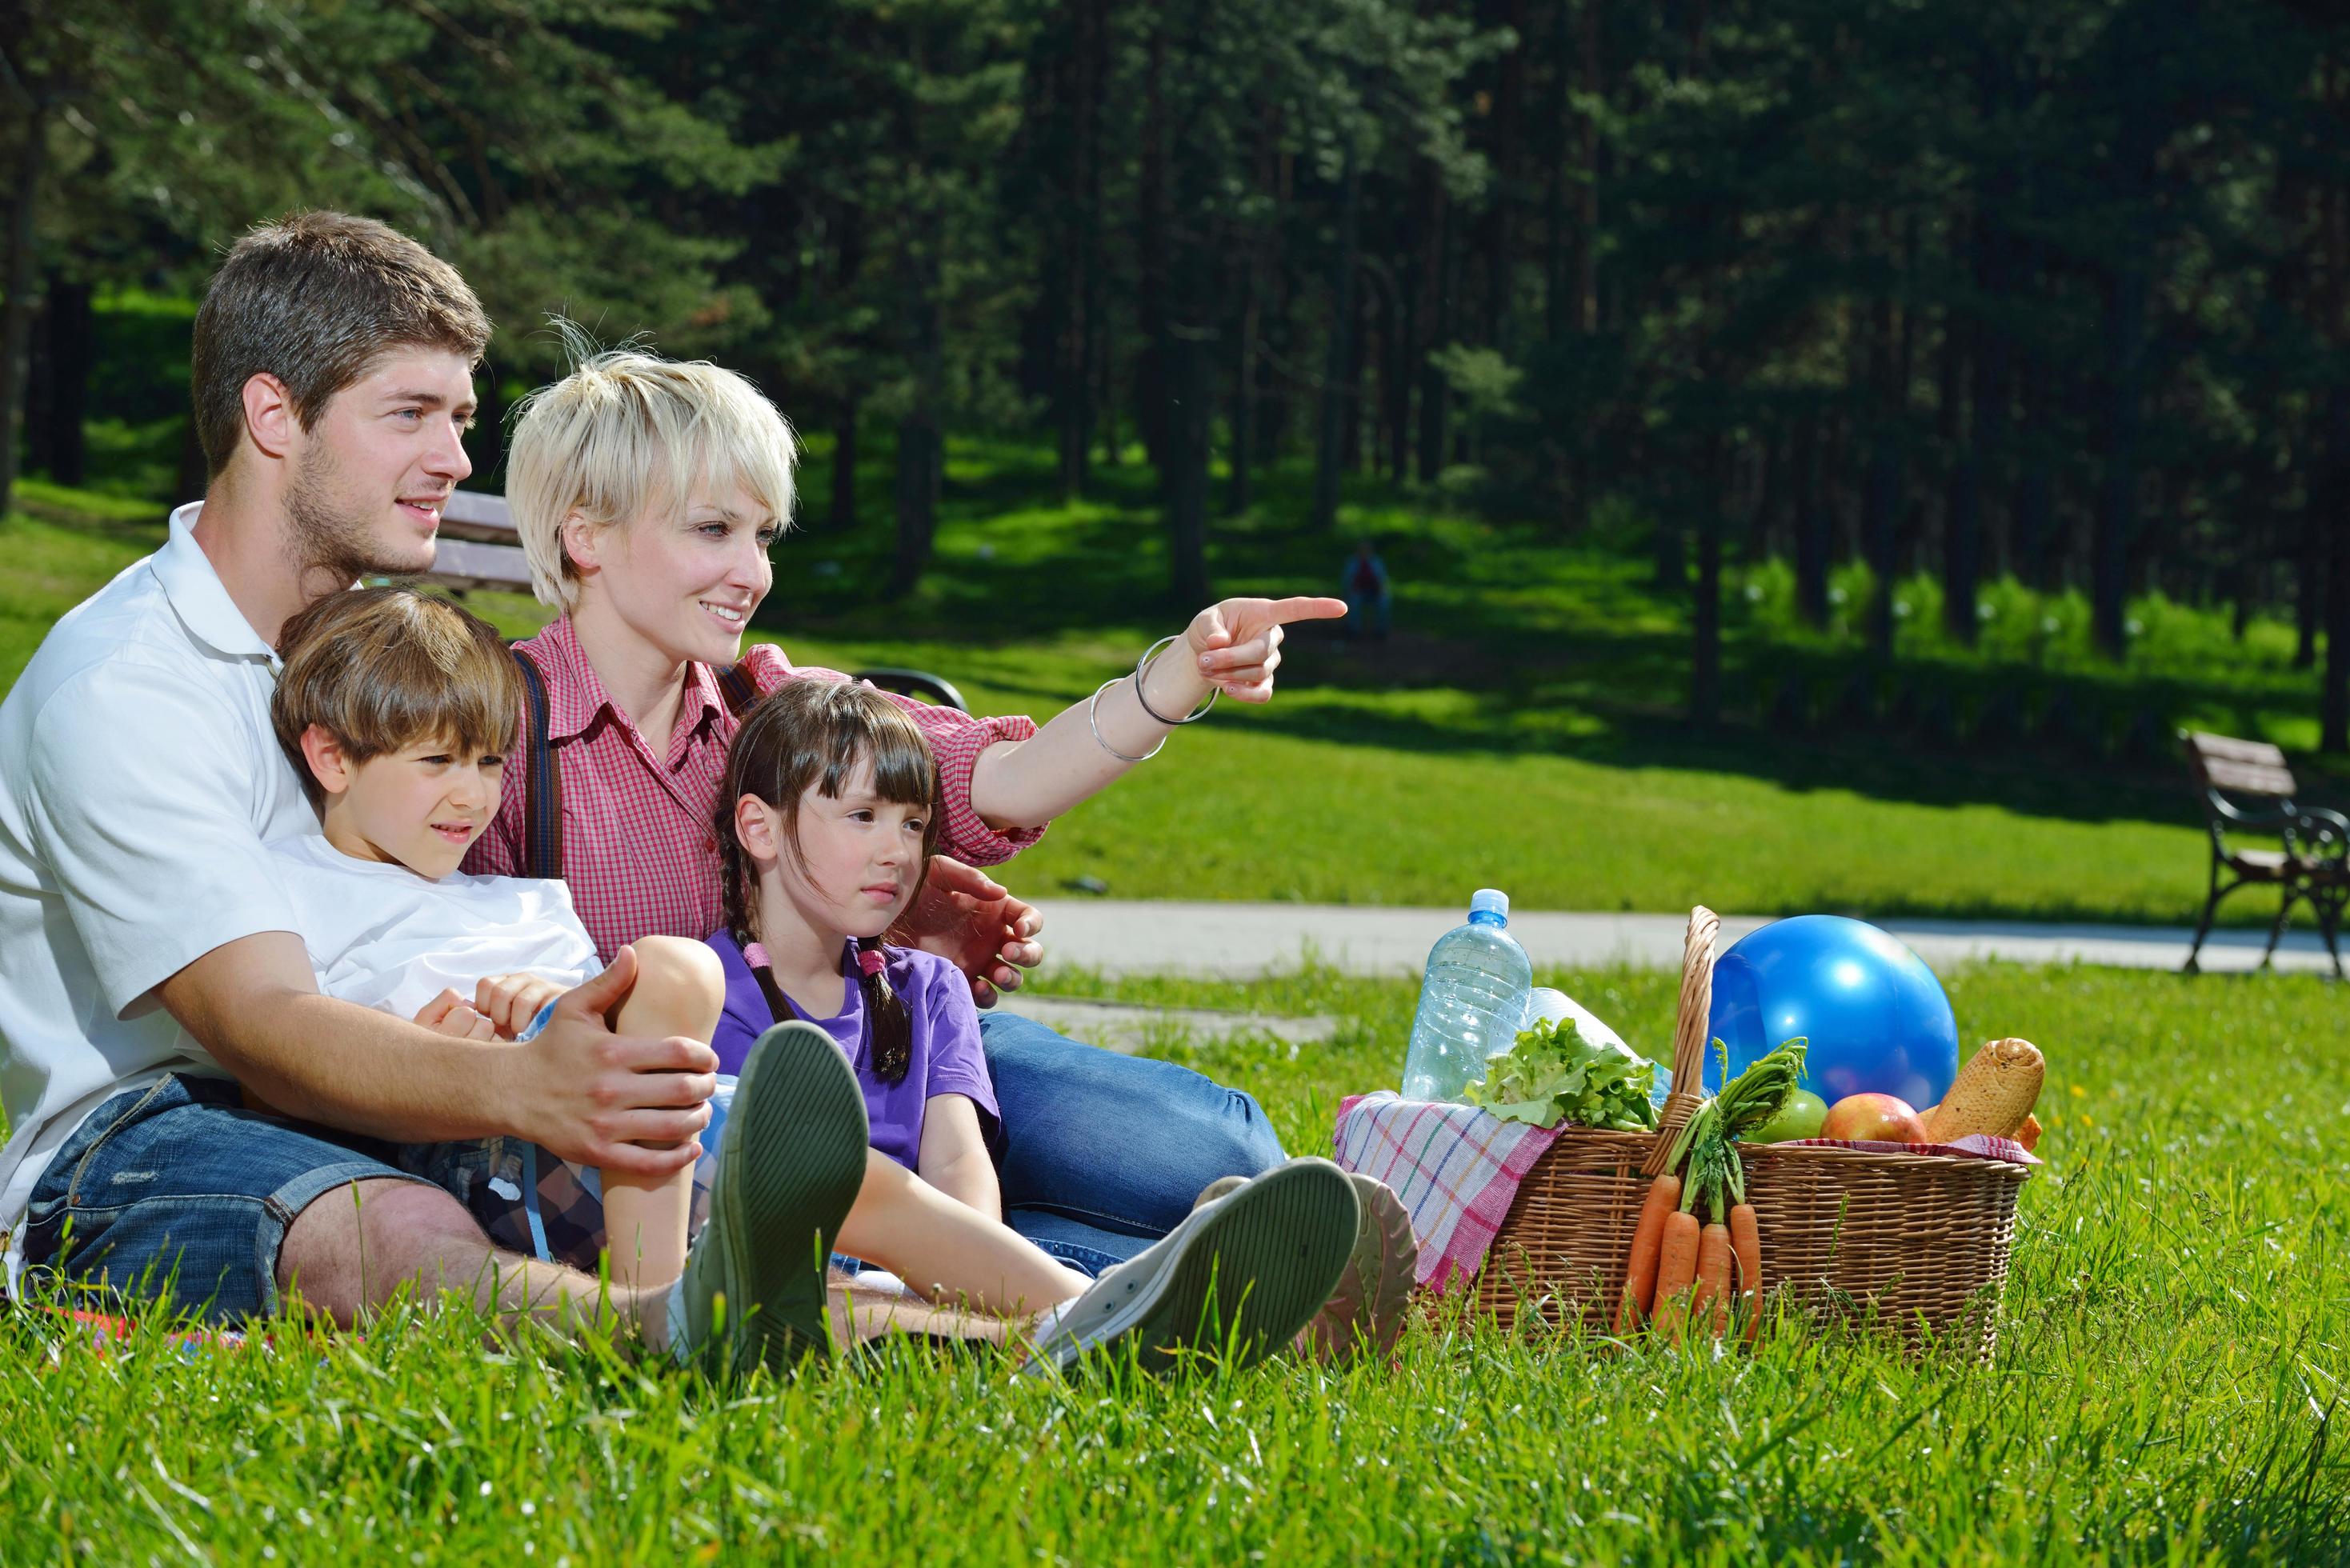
<point x="198" y="596"/>
<point x="575" y="696"/>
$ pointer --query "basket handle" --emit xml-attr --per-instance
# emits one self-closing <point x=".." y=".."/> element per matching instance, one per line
<point x="1689" y="1036"/>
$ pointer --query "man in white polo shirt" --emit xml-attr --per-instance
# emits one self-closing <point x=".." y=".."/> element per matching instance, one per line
<point x="148" y="964"/>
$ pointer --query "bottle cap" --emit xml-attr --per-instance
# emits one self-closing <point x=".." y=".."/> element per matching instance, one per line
<point x="1490" y="901"/>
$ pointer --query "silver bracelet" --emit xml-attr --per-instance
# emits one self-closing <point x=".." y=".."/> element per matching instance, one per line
<point x="1095" y="722"/>
<point x="1142" y="667"/>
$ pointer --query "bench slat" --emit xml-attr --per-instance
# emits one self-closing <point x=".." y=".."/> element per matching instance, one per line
<point x="472" y="515"/>
<point x="2274" y="783"/>
<point x="2235" y="751"/>
<point x="464" y="562"/>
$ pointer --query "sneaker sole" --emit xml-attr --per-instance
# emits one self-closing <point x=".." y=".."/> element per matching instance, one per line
<point x="791" y="1160"/>
<point x="1368" y="1309"/>
<point x="1258" y="1265"/>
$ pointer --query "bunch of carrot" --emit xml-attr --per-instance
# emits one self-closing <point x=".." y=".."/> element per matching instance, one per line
<point x="1679" y="1271"/>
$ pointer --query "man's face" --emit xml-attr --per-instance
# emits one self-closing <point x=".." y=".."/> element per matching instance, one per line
<point x="371" y="474"/>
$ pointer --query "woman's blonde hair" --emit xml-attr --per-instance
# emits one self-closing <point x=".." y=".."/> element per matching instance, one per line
<point x="628" y="434"/>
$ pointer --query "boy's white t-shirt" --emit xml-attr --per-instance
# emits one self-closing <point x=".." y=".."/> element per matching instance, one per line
<point x="383" y="937"/>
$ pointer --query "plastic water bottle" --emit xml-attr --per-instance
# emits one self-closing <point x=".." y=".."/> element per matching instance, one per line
<point x="1471" y="1003"/>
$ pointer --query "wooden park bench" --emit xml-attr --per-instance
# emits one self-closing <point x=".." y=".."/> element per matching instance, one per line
<point x="2314" y="865"/>
<point x="479" y="548"/>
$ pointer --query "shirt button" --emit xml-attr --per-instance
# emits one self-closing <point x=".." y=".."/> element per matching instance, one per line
<point x="709" y="845"/>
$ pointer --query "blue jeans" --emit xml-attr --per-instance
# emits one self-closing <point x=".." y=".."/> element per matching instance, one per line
<point x="177" y="1190"/>
<point x="1100" y="1154"/>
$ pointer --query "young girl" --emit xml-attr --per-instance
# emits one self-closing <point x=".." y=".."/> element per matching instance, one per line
<point x="831" y="815"/>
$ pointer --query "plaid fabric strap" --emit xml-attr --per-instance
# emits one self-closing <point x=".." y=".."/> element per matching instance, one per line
<point x="542" y="832"/>
<point x="735" y="685"/>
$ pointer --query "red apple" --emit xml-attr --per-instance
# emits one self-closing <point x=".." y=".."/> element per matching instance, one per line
<point x="1880" y="1119"/>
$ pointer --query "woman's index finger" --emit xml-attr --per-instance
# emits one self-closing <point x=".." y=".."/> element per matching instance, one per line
<point x="1307" y="606"/>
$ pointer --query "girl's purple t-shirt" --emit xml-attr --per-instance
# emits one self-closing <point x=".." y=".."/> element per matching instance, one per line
<point x="946" y="1058"/>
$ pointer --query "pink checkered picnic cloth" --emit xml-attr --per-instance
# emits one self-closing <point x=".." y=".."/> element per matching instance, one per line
<point x="1456" y="1167"/>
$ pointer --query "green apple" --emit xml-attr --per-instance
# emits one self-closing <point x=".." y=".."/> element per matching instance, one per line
<point x="1802" y="1116"/>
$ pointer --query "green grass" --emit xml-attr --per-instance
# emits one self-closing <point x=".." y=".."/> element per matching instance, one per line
<point x="1519" y="731"/>
<point x="2177" y="1329"/>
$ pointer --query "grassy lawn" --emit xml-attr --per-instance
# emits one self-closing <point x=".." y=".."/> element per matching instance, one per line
<point x="2176" y="1328"/>
<point x="1519" y="729"/>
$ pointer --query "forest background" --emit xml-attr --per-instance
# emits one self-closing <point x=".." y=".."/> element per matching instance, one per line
<point x="1983" y="367"/>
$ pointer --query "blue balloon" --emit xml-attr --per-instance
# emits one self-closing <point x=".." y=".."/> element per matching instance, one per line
<point x="1878" y="1019"/>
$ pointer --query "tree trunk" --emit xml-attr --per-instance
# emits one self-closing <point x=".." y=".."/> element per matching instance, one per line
<point x="1437" y="321"/>
<point x="922" y="443"/>
<point x="1239" y="495"/>
<point x="57" y="395"/>
<point x="1705" y="675"/>
<point x="485" y="445"/>
<point x="1151" y="378"/>
<point x="16" y="322"/>
<point x="1337" y="395"/>
<point x="841" y="517"/>
<point x="2333" y="481"/>
<point x="2127" y="290"/>
<point x="1880" y="539"/>
<point x="1186" y="468"/>
<point x="1074" y="355"/>
<point x="1508" y="130"/>
<point x="1812" y="524"/>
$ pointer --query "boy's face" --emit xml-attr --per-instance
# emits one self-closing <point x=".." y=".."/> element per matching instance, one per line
<point x="370" y="479"/>
<point x="421" y="806"/>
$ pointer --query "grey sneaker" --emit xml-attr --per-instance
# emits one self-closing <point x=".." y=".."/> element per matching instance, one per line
<point x="1366" y="1314"/>
<point x="790" y="1159"/>
<point x="1367" y="1309"/>
<point x="1245" y="1270"/>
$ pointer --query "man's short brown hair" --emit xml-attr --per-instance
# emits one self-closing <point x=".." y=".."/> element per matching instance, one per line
<point x="384" y="669"/>
<point x="315" y="299"/>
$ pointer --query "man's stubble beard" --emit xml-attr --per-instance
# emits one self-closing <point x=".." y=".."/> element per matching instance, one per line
<point x="332" y="549"/>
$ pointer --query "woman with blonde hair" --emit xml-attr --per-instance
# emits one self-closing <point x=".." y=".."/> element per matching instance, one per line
<point x="647" y="493"/>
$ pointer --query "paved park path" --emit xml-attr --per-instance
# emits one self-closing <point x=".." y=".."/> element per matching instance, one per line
<point x="1239" y="940"/>
<point x="1128" y="937"/>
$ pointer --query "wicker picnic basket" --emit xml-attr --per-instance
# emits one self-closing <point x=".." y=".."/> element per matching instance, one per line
<point x="1911" y="1244"/>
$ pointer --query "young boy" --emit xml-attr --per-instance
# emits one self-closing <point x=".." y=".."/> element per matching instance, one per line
<point x="396" y="711"/>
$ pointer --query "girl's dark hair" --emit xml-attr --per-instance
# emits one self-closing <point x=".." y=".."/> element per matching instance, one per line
<point x="810" y="732"/>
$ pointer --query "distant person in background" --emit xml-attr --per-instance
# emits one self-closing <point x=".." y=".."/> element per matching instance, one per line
<point x="1366" y="582"/>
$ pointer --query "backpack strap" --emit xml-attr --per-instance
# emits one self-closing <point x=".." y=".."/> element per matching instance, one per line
<point x="541" y="801"/>
<point x="734" y="684"/>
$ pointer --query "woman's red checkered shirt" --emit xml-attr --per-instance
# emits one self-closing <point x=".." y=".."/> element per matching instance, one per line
<point x="640" y="847"/>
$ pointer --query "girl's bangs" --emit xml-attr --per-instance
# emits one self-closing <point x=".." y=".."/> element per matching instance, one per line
<point x="903" y="771"/>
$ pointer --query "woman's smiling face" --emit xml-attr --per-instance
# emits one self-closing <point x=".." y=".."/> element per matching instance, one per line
<point x="685" y="584"/>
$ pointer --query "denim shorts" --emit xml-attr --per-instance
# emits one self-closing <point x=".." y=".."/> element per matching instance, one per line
<point x="177" y="1191"/>
<point x="531" y="1201"/>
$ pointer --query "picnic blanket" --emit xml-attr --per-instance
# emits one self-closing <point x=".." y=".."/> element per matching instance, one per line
<point x="1458" y="1168"/>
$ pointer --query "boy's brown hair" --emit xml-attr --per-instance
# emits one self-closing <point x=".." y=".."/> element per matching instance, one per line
<point x="315" y="299"/>
<point x="381" y="669"/>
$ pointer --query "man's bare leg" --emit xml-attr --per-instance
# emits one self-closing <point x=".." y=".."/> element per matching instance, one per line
<point x="354" y="1247"/>
<point x="679" y="990"/>
<point x="946" y="1250"/>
